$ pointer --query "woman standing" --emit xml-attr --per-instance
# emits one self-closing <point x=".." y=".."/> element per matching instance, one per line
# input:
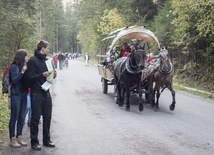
<point x="18" y="98"/>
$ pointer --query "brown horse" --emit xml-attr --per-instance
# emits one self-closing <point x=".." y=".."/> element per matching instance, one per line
<point x="163" y="79"/>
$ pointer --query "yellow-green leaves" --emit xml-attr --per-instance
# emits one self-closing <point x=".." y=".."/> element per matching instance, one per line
<point x="110" y="21"/>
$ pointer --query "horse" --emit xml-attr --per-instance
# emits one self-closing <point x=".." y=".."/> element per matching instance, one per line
<point x="127" y="73"/>
<point x="163" y="79"/>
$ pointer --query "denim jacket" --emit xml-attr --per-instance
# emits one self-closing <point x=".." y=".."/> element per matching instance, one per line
<point x="16" y="80"/>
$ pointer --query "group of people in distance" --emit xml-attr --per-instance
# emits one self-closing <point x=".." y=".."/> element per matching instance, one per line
<point x="62" y="59"/>
<point x="25" y="74"/>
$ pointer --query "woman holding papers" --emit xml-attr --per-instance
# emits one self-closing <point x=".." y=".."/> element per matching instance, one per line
<point x="40" y="74"/>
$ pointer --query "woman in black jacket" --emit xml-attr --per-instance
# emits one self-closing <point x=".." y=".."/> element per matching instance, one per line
<point x="18" y="95"/>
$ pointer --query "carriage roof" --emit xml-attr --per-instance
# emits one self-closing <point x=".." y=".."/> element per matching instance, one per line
<point x="133" y="32"/>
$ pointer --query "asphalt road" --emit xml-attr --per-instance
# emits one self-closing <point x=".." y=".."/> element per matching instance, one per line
<point x="87" y="122"/>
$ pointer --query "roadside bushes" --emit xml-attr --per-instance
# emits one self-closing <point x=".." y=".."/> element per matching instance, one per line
<point x="4" y="116"/>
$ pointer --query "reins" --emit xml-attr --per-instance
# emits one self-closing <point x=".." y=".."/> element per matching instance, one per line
<point x="133" y="69"/>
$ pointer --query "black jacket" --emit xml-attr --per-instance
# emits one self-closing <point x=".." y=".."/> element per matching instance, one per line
<point x="36" y="66"/>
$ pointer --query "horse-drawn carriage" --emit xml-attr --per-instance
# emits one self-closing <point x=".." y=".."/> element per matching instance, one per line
<point x="132" y="34"/>
<point x="126" y="73"/>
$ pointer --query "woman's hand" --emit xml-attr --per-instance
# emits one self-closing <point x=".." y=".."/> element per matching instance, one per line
<point x="24" y="68"/>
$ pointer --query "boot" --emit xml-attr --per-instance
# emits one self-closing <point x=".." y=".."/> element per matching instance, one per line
<point x="14" y="143"/>
<point x="21" y="141"/>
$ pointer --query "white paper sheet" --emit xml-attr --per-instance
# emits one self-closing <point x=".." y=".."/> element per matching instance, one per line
<point x="47" y="85"/>
<point x="50" y="69"/>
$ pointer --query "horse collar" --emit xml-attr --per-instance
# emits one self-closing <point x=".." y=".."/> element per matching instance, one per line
<point x="131" y="69"/>
<point x="166" y="72"/>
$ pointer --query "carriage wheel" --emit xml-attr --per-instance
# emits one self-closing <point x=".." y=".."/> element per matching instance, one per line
<point x="115" y="94"/>
<point x="104" y="85"/>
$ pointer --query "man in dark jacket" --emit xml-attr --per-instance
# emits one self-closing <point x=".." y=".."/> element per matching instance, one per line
<point x="61" y="59"/>
<point x="41" y="101"/>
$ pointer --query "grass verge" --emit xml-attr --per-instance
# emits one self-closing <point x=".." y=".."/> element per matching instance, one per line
<point x="194" y="91"/>
<point x="4" y="117"/>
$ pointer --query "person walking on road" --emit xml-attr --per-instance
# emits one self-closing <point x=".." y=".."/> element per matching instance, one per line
<point x="41" y="101"/>
<point x="55" y="60"/>
<point x="18" y="95"/>
<point x="61" y="59"/>
<point x="87" y="58"/>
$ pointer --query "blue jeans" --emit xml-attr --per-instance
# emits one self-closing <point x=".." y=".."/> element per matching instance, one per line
<point x="18" y="109"/>
<point x="28" y="111"/>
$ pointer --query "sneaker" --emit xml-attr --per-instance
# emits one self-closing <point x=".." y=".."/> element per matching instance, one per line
<point x="21" y="141"/>
<point x="14" y="143"/>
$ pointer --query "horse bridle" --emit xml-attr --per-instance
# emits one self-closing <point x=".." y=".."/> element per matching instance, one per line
<point x="133" y="69"/>
<point x="170" y="65"/>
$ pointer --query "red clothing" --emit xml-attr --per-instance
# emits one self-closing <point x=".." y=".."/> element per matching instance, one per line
<point x="149" y="59"/>
<point x="125" y="52"/>
<point x="55" y="58"/>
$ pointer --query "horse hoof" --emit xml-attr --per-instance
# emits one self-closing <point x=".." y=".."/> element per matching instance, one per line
<point x="156" y="109"/>
<point x="127" y="108"/>
<point x="172" y="107"/>
<point x="140" y="108"/>
<point x="120" y="105"/>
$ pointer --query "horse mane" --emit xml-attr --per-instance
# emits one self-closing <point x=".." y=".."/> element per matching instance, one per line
<point x="131" y="65"/>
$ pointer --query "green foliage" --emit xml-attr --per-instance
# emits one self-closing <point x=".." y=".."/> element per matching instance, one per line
<point x="16" y="27"/>
<point x="110" y="21"/>
<point x="4" y="115"/>
<point x="194" y="23"/>
<point x="86" y="16"/>
<point x="162" y="23"/>
<point x="88" y="38"/>
<point x="189" y="66"/>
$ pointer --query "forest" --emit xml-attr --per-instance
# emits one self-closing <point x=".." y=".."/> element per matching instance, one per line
<point x="185" y="26"/>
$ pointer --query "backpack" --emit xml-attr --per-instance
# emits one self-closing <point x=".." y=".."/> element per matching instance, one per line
<point x="5" y="80"/>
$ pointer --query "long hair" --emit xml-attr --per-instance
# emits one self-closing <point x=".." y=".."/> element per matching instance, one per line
<point x="19" y="58"/>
